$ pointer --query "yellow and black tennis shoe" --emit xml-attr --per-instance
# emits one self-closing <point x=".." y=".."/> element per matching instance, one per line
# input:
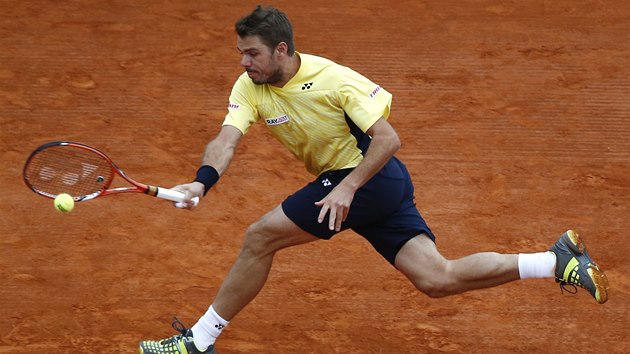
<point x="179" y="344"/>
<point x="574" y="267"/>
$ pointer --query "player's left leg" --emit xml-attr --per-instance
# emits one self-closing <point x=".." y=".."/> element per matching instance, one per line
<point x="437" y="276"/>
<point x="575" y="267"/>
<point x="567" y="261"/>
<point x="405" y="240"/>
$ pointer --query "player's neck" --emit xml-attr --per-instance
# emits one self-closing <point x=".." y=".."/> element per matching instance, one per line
<point x="290" y="70"/>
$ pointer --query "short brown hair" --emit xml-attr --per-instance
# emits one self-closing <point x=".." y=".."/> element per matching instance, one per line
<point x="270" y="24"/>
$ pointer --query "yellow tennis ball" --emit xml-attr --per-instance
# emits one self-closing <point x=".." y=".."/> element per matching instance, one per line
<point x="64" y="203"/>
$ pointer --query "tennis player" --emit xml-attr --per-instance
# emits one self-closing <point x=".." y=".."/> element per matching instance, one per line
<point x="335" y="121"/>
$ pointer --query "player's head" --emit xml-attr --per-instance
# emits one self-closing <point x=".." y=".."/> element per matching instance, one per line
<point x="270" y="24"/>
<point x="265" y="40"/>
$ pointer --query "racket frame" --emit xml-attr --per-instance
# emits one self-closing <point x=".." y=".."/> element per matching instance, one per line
<point x="136" y="187"/>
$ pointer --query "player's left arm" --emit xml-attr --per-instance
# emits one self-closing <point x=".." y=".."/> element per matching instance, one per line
<point x="385" y="142"/>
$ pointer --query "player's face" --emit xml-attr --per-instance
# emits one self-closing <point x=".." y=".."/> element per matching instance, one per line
<point x="259" y="61"/>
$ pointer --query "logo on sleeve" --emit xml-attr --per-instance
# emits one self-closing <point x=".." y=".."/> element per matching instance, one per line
<point x="234" y="106"/>
<point x="278" y="120"/>
<point x="375" y="91"/>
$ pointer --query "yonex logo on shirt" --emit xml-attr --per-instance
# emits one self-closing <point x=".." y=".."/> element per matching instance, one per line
<point x="375" y="91"/>
<point x="277" y="120"/>
<point x="234" y="106"/>
<point x="307" y="86"/>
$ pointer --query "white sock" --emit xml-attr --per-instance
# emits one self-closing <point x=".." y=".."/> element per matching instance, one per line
<point x="207" y="329"/>
<point x="537" y="265"/>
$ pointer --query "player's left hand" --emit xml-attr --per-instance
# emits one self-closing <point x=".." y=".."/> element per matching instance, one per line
<point x="338" y="202"/>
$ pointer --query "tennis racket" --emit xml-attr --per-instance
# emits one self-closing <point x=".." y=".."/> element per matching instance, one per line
<point x="83" y="172"/>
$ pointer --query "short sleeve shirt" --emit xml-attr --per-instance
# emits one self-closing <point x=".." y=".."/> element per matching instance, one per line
<point x="309" y="115"/>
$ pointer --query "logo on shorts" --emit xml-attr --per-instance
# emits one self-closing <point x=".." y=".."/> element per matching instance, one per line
<point x="234" y="106"/>
<point x="375" y="91"/>
<point x="326" y="182"/>
<point x="278" y="120"/>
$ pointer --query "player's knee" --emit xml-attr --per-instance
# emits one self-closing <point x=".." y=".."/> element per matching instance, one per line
<point x="436" y="284"/>
<point x="257" y="242"/>
<point x="433" y="288"/>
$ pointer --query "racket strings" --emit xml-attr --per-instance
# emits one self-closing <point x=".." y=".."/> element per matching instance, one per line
<point x="66" y="169"/>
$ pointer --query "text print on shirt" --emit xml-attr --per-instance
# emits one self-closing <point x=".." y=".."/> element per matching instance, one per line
<point x="278" y="120"/>
<point x="375" y="91"/>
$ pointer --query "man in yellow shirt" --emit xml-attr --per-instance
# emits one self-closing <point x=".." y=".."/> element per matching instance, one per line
<point x="335" y="121"/>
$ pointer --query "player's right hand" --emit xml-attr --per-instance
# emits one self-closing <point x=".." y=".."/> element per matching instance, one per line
<point x="191" y="190"/>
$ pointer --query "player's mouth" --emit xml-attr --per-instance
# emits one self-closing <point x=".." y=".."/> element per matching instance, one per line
<point x="254" y="76"/>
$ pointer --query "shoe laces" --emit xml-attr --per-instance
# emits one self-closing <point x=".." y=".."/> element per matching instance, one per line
<point x="178" y="326"/>
<point x="568" y="287"/>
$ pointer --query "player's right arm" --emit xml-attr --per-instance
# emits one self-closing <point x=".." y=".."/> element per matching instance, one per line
<point x="220" y="151"/>
<point x="218" y="154"/>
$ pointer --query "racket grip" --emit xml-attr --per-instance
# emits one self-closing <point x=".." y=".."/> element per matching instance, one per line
<point x="175" y="196"/>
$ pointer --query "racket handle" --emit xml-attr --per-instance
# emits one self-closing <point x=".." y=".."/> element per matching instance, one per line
<point x="174" y="196"/>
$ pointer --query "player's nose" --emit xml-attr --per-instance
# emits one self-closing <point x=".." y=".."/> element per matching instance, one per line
<point x="246" y="62"/>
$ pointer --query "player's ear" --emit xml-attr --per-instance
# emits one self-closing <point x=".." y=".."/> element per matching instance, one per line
<point x="282" y="48"/>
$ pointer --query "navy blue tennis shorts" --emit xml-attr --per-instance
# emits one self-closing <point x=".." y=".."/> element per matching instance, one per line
<point x="383" y="211"/>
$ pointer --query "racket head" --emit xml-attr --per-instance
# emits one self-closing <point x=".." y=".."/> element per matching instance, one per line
<point x="68" y="167"/>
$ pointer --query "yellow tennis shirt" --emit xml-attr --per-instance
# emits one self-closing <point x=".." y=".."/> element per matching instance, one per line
<point x="308" y="115"/>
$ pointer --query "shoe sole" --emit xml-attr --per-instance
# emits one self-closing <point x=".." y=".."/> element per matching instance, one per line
<point x="599" y="278"/>
<point x="575" y="242"/>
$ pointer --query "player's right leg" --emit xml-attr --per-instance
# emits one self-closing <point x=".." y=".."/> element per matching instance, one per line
<point x="263" y="239"/>
<point x="180" y="344"/>
<point x="247" y="276"/>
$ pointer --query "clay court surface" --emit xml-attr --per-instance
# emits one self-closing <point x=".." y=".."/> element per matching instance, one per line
<point x="514" y="117"/>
